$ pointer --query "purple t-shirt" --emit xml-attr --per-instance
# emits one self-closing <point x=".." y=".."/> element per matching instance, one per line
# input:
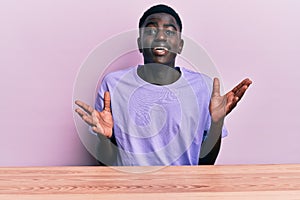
<point x="158" y="125"/>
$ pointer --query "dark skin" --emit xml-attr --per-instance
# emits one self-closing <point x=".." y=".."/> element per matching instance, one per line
<point x="160" y="30"/>
<point x="160" y="42"/>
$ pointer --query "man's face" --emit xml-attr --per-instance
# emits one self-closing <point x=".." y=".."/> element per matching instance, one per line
<point x="160" y="39"/>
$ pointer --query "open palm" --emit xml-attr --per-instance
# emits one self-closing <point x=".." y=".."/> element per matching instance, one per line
<point x="101" y="122"/>
<point x="219" y="105"/>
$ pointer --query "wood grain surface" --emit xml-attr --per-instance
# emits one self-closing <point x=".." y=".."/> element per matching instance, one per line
<point x="176" y="182"/>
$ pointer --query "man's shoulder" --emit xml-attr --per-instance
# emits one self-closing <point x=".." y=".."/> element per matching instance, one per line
<point x="118" y="73"/>
<point x="199" y="81"/>
<point x="194" y="74"/>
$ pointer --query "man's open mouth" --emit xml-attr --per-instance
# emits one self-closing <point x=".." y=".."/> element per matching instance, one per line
<point x="160" y="51"/>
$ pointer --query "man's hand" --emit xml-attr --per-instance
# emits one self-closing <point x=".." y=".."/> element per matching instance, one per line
<point x="101" y="122"/>
<point x="220" y="106"/>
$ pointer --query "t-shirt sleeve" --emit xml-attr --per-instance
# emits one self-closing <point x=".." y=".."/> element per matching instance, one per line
<point x="224" y="129"/>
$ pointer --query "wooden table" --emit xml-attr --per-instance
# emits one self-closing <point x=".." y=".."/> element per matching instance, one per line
<point x="183" y="182"/>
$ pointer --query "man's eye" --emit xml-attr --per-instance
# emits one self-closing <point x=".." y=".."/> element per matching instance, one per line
<point x="151" y="31"/>
<point x="170" y="33"/>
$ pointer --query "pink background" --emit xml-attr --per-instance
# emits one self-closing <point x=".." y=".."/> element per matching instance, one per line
<point x="44" y="43"/>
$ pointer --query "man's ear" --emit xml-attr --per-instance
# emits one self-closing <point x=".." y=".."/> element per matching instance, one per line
<point x="180" y="46"/>
<point x="140" y="45"/>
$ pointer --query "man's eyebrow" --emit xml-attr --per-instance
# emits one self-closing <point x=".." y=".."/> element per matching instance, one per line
<point x="151" y="23"/>
<point x="165" y="25"/>
<point x="172" y="25"/>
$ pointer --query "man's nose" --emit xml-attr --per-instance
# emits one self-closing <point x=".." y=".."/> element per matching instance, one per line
<point x="160" y="35"/>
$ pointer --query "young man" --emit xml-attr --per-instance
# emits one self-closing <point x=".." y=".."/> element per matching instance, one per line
<point x="157" y="113"/>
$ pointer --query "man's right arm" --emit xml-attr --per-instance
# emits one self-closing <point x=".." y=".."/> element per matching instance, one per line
<point x="102" y="124"/>
<point x="106" y="150"/>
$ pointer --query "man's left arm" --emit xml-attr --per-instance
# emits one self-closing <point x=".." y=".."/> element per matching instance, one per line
<point x="219" y="107"/>
<point x="211" y="157"/>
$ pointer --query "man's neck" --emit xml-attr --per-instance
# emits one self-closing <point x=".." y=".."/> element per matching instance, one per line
<point x="158" y="74"/>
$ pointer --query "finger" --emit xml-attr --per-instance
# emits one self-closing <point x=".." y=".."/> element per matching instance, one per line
<point x="80" y="112"/>
<point x="236" y="88"/>
<point x="107" y="101"/>
<point x="240" y="93"/>
<point x="246" y="82"/>
<point x="88" y="120"/>
<point x="231" y="103"/>
<point x="216" y="87"/>
<point x="98" y="130"/>
<point x="95" y="118"/>
<point x="87" y="108"/>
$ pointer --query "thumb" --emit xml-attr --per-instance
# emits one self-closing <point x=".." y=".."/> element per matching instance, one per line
<point x="216" y="87"/>
<point x="106" y="101"/>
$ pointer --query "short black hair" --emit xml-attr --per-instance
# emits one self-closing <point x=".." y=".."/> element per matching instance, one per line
<point x="161" y="8"/>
